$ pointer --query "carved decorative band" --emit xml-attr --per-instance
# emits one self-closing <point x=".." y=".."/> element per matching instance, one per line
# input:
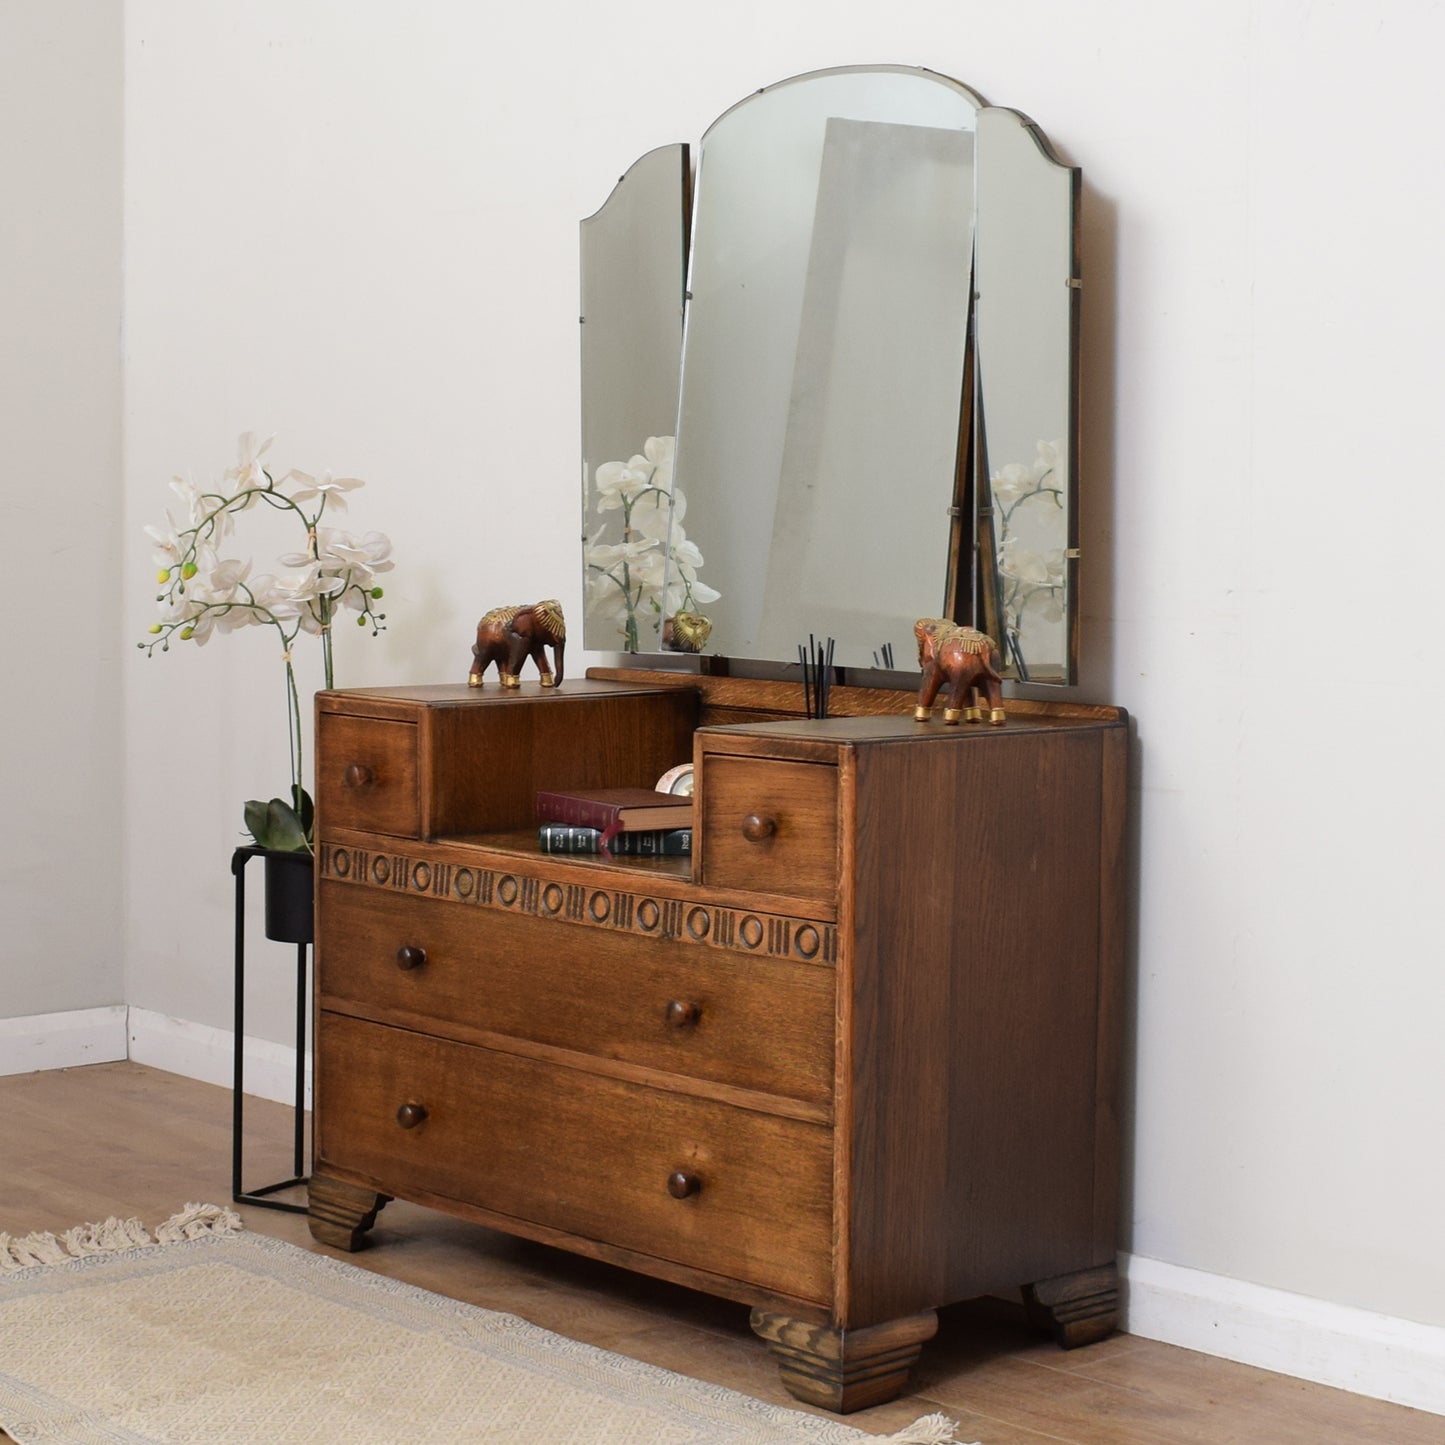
<point x="696" y="923"/>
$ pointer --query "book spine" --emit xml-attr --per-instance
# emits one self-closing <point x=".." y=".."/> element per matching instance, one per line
<point x="575" y="812"/>
<point x="650" y="843"/>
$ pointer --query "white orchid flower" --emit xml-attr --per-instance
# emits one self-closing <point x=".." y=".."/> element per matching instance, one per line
<point x="661" y="453"/>
<point x="1044" y="603"/>
<point x="370" y="552"/>
<point x="654" y="514"/>
<point x="333" y="489"/>
<point x="172" y="541"/>
<point x="203" y="595"/>
<point x="621" y="482"/>
<point x="648" y="571"/>
<point x="687" y="557"/>
<point x="661" y="564"/>
<point x="1012" y="482"/>
<point x="701" y="592"/>
<point x="1049" y="462"/>
<point x="227" y="578"/>
<point x="608" y="554"/>
<point x="198" y="507"/>
<point x="248" y="471"/>
<point x="354" y="563"/>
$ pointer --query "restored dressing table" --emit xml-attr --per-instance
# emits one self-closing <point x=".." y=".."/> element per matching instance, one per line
<point x="855" y="1058"/>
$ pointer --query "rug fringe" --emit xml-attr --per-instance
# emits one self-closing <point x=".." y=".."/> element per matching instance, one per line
<point x="112" y="1235"/>
<point x="115" y="1234"/>
<point x="929" y="1430"/>
<point x="198" y="1219"/>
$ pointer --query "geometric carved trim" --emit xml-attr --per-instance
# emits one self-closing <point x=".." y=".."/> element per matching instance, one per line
<point x="710" y="925"/>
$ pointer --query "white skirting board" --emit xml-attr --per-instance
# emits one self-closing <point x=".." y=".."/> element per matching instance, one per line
<point x="63" y="1040"/>
<point x="200" y="1052"/>
<point x="106" y="1035"/>
<point x="1311" y="1339"/>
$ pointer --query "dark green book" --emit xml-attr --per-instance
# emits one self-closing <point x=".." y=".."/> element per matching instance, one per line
<point x="647" y="843"/>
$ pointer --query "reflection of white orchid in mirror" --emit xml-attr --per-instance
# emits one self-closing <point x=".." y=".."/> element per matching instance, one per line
<point x="631" y="579"/>
<point x="203" y="593"/>
<point x="1032" y="577"/>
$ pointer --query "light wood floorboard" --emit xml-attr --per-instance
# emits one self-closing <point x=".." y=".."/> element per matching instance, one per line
<point x="123" y="1139"/>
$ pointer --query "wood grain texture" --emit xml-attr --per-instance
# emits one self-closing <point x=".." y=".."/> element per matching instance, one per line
<point x="366" y="774"/>
<point x="844" y="1370"/>
<point x="1113" y="925"/>
<point x="756" y="1023"/>
<point x="490" y="763"/>
<point x="340" y="1214"/>
<point x="766" y="825"/>
<point x="582" y="1153"/>
<point x="1077" y="1309"/>
<point x="973" y="975"/>
<point x="733" y="695"/>
<point x="471" y="860"/>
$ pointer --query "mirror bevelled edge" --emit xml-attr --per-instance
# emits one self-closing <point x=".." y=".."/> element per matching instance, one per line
<point x="1027" y="291"/>
<point x="633" y="255"/>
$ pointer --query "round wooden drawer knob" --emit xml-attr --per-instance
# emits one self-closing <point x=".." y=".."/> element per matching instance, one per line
<point x="408" y="957"/>
<point x="358" y="775"/>
<point x="410" y="1115"/>
<point x="683" y="1186"/>
<point x="682" y="1014"/>
<point x="755" y="828"/>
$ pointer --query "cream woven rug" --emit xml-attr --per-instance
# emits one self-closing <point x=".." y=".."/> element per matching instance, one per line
<point x="211" y="1335"/>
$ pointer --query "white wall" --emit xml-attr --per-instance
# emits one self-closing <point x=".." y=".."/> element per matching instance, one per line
<point x="60" y="502"/>
<point x="356" y="226"/>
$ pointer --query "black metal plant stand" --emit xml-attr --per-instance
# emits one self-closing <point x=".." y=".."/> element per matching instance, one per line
<point x="259" y="1197"/>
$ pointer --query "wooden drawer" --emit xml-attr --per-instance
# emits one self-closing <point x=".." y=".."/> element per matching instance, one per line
<point x="578" y="1152"/>
<point x="796" y="802"/>
<point x="759" y="1023"/>
<point x="367" y="775"/>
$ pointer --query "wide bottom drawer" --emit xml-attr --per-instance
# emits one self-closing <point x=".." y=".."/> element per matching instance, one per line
<point x="589" y="1155"/>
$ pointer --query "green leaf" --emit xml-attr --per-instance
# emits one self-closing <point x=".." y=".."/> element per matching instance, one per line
<point x="276" y="826"/>
<point x="305" y="809"/>
<point x="255" y="814"/>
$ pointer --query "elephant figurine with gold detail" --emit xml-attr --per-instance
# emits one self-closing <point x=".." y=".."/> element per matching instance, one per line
<point x="968" y="661"/>
<point x="509" y="635"/>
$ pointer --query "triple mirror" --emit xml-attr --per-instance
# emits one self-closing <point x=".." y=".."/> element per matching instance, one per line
<point x="829" y="381"/>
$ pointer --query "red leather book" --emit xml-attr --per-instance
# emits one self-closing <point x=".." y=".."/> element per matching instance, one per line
<point x="615" y="810"/>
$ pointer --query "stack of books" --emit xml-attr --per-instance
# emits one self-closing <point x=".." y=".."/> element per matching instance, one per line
<point x="621" y="822"/>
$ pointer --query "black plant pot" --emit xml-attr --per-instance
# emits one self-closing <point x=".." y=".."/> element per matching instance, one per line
<point x="290" y="897"/>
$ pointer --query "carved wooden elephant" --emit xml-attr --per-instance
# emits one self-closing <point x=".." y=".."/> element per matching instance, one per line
<point x="968" y="660"/>
<point x="509" y="635"/>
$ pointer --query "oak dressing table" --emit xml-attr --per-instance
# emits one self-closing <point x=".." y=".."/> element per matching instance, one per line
<point x="845" y="1067"/>
<point x="857" y="1057"/>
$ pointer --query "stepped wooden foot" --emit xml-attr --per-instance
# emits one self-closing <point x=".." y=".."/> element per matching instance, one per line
<point x="340" y="1213"/>
<point x="1077" y="1309"/>
<point x="844" y="1370"/>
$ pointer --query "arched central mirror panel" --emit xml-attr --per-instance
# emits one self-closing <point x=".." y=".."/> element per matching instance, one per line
<point x="874" y="404"/>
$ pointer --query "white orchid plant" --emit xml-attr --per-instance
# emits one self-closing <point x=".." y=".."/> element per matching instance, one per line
<point x="205" y="592"/>
<point x="639" y="581"/>
<point x="1028" y="500"/>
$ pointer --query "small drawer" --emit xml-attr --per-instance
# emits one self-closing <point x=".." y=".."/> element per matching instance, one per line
<point x="730" y="1191"/>
<point x="769" y="826"/>
<point x="366" y="775"/>
<point x="748" y="1021"/>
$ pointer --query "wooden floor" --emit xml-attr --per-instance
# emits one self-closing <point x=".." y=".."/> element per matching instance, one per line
<point x="81" y="1144"/>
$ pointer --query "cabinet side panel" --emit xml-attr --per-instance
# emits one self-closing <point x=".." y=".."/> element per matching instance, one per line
<point x="974" y="983"/>
<point x="1113" y="923"/>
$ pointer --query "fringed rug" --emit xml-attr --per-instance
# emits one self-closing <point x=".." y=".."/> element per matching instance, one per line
<point x="210" y="1335"/>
